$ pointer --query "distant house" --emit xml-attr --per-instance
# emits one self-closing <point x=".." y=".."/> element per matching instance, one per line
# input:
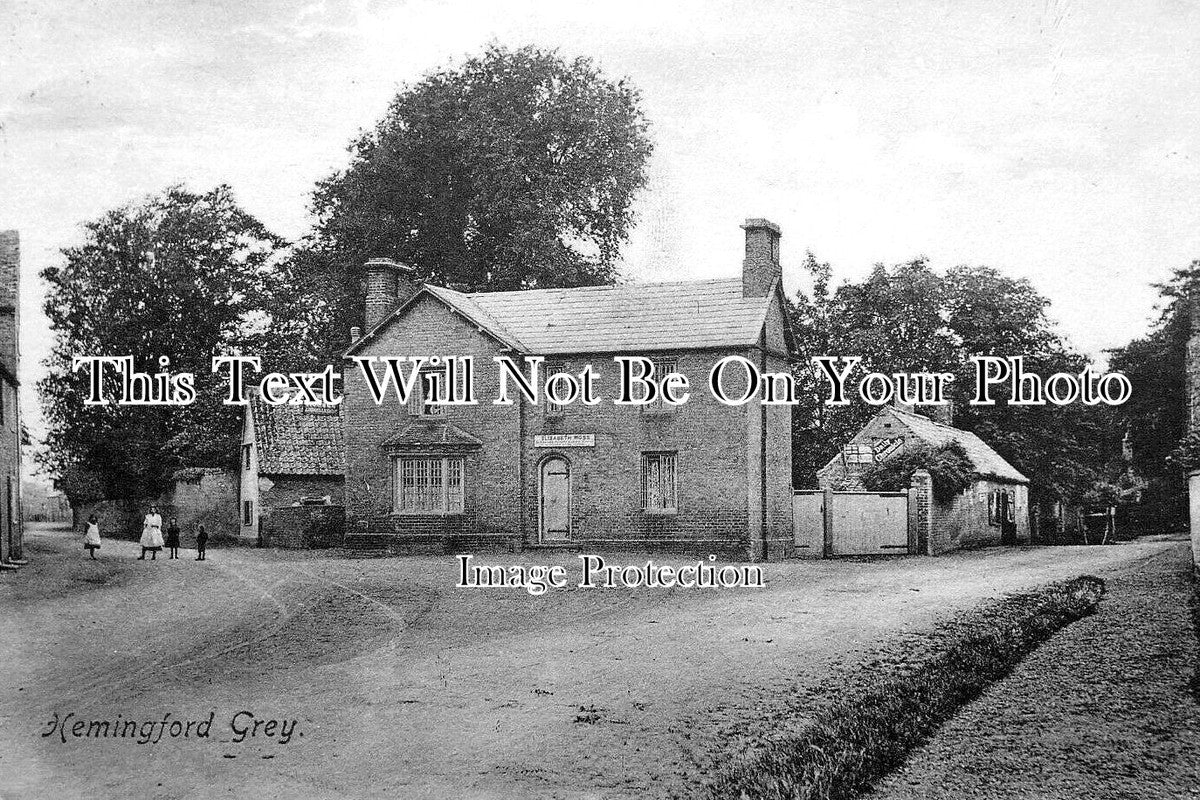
<point x="994" y="509"/>
<point x="699" y="477"/>
<point x="11" y="530"/>
<point x="292" y="458"/>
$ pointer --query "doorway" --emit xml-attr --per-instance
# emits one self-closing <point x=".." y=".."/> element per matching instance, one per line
<point x="555" y="500"/>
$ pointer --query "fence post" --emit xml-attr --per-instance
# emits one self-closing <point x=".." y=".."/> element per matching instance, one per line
<point x="922" y="492"/>
<point x="827" y="514"/>
<point x="914" y="540"/>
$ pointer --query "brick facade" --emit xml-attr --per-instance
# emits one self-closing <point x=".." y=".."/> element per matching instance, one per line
<point x="733" y="464"/>
<point x="10" y="418"/>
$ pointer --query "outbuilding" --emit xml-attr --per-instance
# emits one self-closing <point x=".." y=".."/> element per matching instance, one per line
<point x="993" y="509"/>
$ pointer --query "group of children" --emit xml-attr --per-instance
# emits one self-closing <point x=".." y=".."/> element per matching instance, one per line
<point x="152" y="538"/>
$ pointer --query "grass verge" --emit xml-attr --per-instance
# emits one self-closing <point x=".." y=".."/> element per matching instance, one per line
<point x="1194" y="683"/>
<point x="894" y="706"/>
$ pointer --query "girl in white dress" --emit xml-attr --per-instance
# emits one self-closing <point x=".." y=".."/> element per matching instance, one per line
<point x="91" y="539"/>
<point x="152" y="538"/>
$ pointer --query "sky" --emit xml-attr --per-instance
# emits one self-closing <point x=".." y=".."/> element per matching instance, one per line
<point x="1057" y="141"/>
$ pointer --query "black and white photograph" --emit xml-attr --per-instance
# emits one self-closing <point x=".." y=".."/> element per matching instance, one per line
<point x="599" y="401"/>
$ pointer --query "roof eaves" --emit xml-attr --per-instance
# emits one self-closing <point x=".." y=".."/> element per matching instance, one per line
<point x="478" y="315"/>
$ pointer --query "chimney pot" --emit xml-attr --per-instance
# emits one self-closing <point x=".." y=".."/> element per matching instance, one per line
<point x="355" y="333"/>
<point x="760" y="269"/>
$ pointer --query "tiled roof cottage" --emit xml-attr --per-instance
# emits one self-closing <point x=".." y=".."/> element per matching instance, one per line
<point x="993" y="509"/>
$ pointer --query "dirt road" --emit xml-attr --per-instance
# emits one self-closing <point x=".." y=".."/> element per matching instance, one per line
<point x="400" y="685"/>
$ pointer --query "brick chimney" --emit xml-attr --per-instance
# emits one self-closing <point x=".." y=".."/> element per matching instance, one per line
<point x="387" y="282"/>
<point x="943" y="413"/>
<point x="761" y="268"/>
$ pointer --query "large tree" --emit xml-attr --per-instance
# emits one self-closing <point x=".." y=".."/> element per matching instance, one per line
<point x="183" y="275"/>
<point x="515" y="170"/>
<point x="1156" y="415"/>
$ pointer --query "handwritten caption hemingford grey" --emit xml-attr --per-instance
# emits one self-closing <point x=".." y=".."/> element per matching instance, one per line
<point x="732" y="381"/>
<point x="243" y="726"/>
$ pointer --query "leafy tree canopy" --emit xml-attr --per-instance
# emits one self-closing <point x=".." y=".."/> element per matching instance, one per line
<point x="515" y="170"/>
<point x="1155" y="417"/>
<point x="183" y="275"/>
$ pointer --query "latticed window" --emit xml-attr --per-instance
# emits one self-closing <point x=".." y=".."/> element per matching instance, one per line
<point x="659" y="493"/>
<point x="429" y="485"/>
<point x="858" y="454"/>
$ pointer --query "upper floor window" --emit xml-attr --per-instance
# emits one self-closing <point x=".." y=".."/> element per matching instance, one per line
<point x="549" y="369"/>
<point x="425" y="390"/>
<point x="663" y="367"/>
<point x="246" y="450"/>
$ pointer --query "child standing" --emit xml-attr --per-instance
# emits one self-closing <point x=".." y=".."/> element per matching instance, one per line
<point x="201" y="543"/>
<point x="173" y="538"/>
<point x="152" y="539"/>
<point x="91" y="539"/>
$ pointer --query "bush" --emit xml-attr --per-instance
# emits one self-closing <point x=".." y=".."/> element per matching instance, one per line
<point x="949" y="465"/>
<point x="900" y="704"/>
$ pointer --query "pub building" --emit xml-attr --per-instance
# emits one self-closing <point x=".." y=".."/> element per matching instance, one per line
<point x="701" y="477"/>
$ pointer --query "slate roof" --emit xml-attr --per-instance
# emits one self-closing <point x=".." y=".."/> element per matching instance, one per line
<point x="424" y="434"/>
<point x="634" y="317"/>
<point x="297" y="440"/>
<point x="988" y="463"/>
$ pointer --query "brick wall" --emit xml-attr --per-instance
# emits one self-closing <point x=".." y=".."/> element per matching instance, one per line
<point x="289" y="490"/>
<point x="10" y="427"/>
<point x="304" y="527"/>
<point x="710" y="442"/>
<point x="962" y="522"/>
<point x="493" y="474"/>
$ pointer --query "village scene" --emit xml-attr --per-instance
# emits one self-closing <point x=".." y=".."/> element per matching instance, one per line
<point x="795" y="401"/>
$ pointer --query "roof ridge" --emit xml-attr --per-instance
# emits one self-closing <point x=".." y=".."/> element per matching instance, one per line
<point x="928" y="419"/>
<point x="601" y="286"/>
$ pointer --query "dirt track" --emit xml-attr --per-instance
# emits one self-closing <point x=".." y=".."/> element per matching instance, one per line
<point x="404" y="686"/>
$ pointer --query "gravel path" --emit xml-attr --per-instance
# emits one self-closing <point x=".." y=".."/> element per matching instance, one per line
<point x="1102" y="710"/>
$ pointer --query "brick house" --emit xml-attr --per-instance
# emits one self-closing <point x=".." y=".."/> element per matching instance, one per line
<point x="994" y="509"/>
<point x="10" y="417"/>
<point x="292" y="458"/>
<point x="702" y="477"/>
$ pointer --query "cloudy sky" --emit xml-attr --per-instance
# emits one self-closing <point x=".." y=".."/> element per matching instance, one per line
<point x="1054" y="140"/>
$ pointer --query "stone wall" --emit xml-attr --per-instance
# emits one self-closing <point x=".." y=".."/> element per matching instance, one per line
<point x="200" y="495"/>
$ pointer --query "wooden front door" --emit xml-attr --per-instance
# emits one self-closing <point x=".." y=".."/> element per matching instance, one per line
<point x="1008" y="522"/>
<point x="555" y="500"/>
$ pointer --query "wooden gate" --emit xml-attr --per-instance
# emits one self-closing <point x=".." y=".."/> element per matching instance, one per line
<point x="854" y="523"/>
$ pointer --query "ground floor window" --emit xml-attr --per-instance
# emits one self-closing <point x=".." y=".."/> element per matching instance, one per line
<point x="247" y="512"/>
<point x="658" y="483"/>
<point x="428" y="485"/>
